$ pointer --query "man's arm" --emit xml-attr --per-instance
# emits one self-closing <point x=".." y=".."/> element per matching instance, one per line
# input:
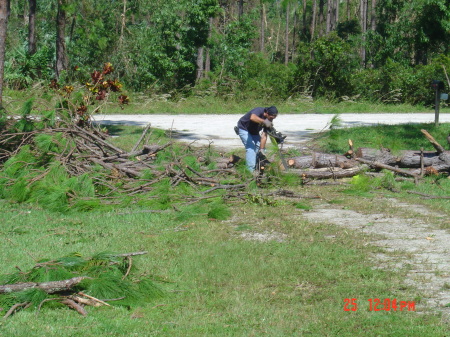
<point x="255" y="119"/>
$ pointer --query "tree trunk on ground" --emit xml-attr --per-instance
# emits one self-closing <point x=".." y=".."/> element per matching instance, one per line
<point x="32" y="27"/>
<point x="61" y="54"/>
<point x="321" y="160"/>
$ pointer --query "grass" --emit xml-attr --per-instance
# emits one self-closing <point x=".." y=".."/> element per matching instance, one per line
<point x="216" y="282"/>
<point x="394" y="137"/>
<point x="162" y="104"/>
<point x="217" y="278"/>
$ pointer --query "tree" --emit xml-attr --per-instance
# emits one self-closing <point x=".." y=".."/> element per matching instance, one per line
<point x="32" y="27"/>
<point x="62" y="61"/>
<point x="4" y="14"/>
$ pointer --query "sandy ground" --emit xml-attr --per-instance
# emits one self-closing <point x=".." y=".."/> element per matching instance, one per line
<point x="409" y="241"/>
<point x="202" y="129"/>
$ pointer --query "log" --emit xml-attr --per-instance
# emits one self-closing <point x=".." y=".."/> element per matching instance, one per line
<point x="49" y="287"/>
<point x="329" y="173"/>
<point x="321" y="160"/>
<point x="387" y="167"/>
<point x="406" y="158"/>
<point x="226" y="162"/>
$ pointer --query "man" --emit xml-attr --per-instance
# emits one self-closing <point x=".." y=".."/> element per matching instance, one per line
<point x="249" y="128"/>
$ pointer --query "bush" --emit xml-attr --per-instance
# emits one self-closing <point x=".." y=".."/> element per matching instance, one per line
<point x="397" y="83"/>
<point x="326" y="67"/>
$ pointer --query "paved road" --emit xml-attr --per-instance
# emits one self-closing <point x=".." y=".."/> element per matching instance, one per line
<point x="202" y="129"/>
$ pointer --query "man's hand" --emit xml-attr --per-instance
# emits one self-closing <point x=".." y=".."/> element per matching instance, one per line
<point x="268" y="124"/>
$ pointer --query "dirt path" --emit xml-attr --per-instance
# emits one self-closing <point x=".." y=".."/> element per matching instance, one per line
<point x="218" y="129"/>
<point x="411" y="242"/>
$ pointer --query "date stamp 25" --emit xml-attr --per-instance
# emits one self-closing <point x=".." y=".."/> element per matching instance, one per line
<point x="376" y="304"/>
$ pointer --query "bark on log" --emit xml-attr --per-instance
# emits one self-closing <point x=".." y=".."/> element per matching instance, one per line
<point x="72" y="304"/>
<point x="330" y="173"/>
<point x="387" y="167"/>
<point x="406" y="159"/>
<point x="227" y="162"/>
<point x="49" y="287"/>
<point x="321" y="160"/>
<point x="439" y="148"/>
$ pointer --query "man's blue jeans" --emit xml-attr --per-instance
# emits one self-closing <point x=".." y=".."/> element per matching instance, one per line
<point x="251" y="143"/>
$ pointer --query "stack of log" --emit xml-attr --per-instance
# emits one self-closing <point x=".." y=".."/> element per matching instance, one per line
<point x="412" y="163"/>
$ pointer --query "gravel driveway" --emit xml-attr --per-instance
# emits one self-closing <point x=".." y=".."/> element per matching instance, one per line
<point x="219" y="128"/>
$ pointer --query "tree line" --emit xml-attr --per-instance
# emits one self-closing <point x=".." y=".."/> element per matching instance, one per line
<point x="377" y="50"/>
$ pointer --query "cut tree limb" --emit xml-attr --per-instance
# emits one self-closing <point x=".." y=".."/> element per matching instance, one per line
<point x="439" y="148"/>
<point x="387" y="167"/>
<point x="72" y="304"/>
<point x="49" y="287"/>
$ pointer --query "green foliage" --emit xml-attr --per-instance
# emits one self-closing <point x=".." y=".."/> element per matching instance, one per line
<point x="397" y="83"/>
<point x="105" y="279"/>
<point x="22" y="69"/>
<point x="326" y="66"/>
<point x="267" y="79"/>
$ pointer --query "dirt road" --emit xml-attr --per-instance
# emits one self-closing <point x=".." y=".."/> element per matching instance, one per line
<point x="219" y="128"/>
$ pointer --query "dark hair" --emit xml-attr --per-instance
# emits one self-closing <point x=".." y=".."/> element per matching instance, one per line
<point x="272" y="110"/>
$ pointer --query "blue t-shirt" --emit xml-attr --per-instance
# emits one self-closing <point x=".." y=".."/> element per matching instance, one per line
<point x="245" y="123"/>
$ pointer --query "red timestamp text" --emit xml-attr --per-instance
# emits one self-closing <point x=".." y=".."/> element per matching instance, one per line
<point x="376" y="304"/>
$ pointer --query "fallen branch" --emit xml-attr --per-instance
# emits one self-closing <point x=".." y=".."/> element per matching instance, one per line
<point x="72" y="304"/>
<point x="49" y="287"/>
<point x="387" y="167"/>
<point x="15" y="307"/>
<point x="439" y="148"/>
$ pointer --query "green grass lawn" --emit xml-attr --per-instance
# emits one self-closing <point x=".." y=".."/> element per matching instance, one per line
<point x="216" y="282"/>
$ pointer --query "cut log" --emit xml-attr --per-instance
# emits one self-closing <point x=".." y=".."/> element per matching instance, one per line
<point x="227" y="162"/>
<point x="321" y="160"/>
<point x="407" y="158"/>
<point x="49" y="287"/>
